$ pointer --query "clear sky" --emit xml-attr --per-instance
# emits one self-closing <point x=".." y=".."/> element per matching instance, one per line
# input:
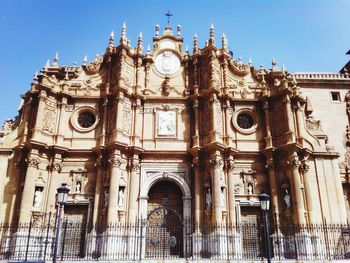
<point x="304" y="35"/>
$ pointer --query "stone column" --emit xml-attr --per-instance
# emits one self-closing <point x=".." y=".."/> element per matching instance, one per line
<point x="40" y="115"/>
<point x="198" y="192"/>
<point x="112" y="214"/>
<point x="62" y="122"/>
<point x="195" y="138"/>
<point x="299" y="212"/>
<point x="29" y="189"/>
<point x="268" y="138"/>
<point x="134" y="187"/>
<point x="339" y="191"/>
<point x="217" y="164"/>
<point x="214" y="104"/>
<point x="4" y="159"/>
<point x="54" y="170"/>
<point x="305" y="167"/>
<point x="300" y="120"/>
<point x="273" y="187"/>
<point x="138" y="124"/>
<point x="231" y="192"/>
<point x="290" y="118"/>
<point x="100" y="165"/>
<point x="119" y="122"/>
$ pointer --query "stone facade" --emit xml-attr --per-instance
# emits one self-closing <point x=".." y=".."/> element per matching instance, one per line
<point x="218" y="130"/>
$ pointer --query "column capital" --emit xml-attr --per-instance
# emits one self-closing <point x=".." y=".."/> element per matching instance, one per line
<point x="230" y="164"/>
<point x="305" y="166"/>
<point x="54" y="167"/>
<point x="33" y="162"/>
<point x="115" y="161"/>
<point x="216" y="162"/>
<point x="294" y="162"/>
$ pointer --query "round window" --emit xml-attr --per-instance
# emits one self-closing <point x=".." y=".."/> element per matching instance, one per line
<point x="86" y="119"/>
<point x="245" y="121"/>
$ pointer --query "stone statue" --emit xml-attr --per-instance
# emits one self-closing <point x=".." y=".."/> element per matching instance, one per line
<point x="250" y="189"/>
<point x="78" y="187"/>
<point x="208" y="199"/>
<point x="121" y="197"/>
<point x="38" y="196"/>
<point x="287" y="199"/>
<point x="106" y="197"/>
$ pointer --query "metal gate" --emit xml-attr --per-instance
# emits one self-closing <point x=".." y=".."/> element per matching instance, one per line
<point x="164" y="233"/>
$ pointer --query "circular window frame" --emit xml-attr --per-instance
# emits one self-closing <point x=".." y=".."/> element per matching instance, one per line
<point x="252" y="114"/>
<point x="75" y="116"/>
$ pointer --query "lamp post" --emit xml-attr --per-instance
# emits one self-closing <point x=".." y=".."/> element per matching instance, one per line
<point x="265" y="206"/>
<point x="62" y="193"/>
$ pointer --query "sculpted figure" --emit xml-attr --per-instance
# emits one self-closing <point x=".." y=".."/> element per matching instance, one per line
<point x="38" y="196"/>
<point x="121" y="197"/>
<point x="287" y="199"/>
<point x="208" y="199"/>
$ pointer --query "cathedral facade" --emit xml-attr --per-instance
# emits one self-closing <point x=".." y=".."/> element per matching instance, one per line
<point x="198" y="135"/>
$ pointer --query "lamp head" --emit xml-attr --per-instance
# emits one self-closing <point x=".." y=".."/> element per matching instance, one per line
<point x="264" y="202"/>
<point x="62" y="193"/>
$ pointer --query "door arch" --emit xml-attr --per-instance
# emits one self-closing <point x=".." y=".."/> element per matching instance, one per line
<point x="164" y="225"/>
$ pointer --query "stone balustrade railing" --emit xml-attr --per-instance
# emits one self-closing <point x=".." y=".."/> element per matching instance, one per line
<point x="321" y="75"/>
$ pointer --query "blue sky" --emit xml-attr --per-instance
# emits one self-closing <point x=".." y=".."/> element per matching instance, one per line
<point x="303" y="35"/>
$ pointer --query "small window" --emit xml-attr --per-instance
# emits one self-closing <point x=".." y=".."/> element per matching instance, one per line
<point x="335" y="96"/>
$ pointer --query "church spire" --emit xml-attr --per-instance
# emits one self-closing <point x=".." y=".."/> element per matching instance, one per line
<point x="111" y="42"/>
<point x="123" y="39"/>
<point x="195" y="43"/>
<point x="139" y="44"/>
<point x="211" y="35"/>
<point x="224" y="42"/>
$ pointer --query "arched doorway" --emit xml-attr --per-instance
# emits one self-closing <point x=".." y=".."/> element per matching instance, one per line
<point x="164" y="228"/>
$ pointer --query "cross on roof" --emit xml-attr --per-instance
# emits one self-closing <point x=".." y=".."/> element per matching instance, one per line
<point x="168" y="15"/>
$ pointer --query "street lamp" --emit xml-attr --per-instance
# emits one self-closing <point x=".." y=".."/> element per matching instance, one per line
<point x="62" y="193"/>
<point x="265" y="206"/>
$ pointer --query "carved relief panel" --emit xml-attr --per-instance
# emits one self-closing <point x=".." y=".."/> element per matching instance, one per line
<point x="49" y="116"/>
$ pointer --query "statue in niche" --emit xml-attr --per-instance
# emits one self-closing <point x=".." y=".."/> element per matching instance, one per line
<point x="250" y="189"/>
<point x="208" y="199"/>
<point x="121" y="197"/>
<point x="106" y="197"/>
<point x="286" y="199"/>
<point x="78" y="187"/>
<point x="38" y="196"/>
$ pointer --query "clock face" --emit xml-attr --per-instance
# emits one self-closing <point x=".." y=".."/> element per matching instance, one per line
<point x="167" y="63"/>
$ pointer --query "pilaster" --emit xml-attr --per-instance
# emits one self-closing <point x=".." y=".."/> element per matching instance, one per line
<point x="216" y="163"/>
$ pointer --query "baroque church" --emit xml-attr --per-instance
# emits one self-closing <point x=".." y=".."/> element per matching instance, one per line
<point x="198" y="135"/>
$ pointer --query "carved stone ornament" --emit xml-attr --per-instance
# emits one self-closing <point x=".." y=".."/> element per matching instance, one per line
<point x="312" y="124"/>
<point x="216" y="162"/>
<point x="115" y="162"/>
<point x="237" y="188"/>
<point x="54" y="167"/>
<point x="305" y="166"/>
<point x="239" y="68"/>
<point x="93" y="67"/>
<point x="230" y="164"/>
<point x="33" y="162"/>
<point x="294" y="163"/>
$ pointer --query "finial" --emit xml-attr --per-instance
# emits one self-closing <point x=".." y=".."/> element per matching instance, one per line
<point x="123" y="35"/>
<point x="239" y="60"/>
<point x="224" y="42"/>
<point x="250" y="62"/>
<point x="148" y="48"/>
<point x="47" y="65"/>
<point x="211" y="35"/>
<point x="139" y="43"/>
<point x="195" y="42"/>
<point x="66" y="77"/>
<point x="128" y="43"/>
<point x="157" y="30"/>
<point x="261" y="67"/>
<point x="283" y="69"/>
<point x="178" y="30"/>
<point x="186" y="49"/>
<point x="206" y="43"/>
<point x="85" y="60"/>
<point x="35" y="75"/>
<point x="55" y="60"/>
<point x="111" y="41"/>
<point x="274" y="65"/>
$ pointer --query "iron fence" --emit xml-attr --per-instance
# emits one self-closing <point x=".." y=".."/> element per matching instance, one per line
<point x="141" y="241"/>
